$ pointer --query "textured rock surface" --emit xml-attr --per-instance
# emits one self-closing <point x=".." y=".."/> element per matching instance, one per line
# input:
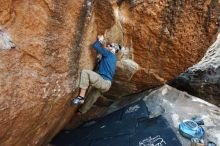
<point x="203" y="79"/>
<point x="163" y="38"/>
<point x="38" y="77"/>
<point x="44" y="45"/>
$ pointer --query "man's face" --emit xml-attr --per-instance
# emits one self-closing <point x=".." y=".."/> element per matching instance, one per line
<point x="109" y="47"/>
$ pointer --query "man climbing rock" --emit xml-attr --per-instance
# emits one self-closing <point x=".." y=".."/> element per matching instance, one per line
<point x="100" y="81"/>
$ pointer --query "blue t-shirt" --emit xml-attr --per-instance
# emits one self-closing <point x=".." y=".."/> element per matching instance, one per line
<point x="107" y="63"/>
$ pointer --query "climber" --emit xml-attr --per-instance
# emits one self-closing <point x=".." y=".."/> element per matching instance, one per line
<point x="100" y="81"/>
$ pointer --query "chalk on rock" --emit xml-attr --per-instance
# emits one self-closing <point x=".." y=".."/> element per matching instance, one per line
<point x="5" y="41"/>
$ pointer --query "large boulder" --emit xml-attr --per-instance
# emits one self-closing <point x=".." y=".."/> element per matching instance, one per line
<point x="203" y="78"/>
<point x="39" y="63"/>
<point x="45" y="44"/>
<point x="163" y="38"/>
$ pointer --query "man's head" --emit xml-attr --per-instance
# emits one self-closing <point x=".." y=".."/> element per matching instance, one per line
<point x="114" y="48"/>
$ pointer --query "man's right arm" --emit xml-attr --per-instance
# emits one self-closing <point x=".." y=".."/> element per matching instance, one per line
<point x="98" y="47"/>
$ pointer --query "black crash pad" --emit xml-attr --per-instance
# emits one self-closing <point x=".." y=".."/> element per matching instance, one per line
<point x="129" y="126"/>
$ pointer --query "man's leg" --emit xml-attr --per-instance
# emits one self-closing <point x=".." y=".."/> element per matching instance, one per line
<point x="84" y="84"/>
<point x="92" y="78"/>
<point x="84" y="80"/>
<point x="94" y="94"/>
<point x="92" y="97"/>
<point x="89" y="77"/>
<point x="82" y="92"/>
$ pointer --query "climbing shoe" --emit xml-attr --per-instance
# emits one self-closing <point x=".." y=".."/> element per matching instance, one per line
<point x="77" y="100"/>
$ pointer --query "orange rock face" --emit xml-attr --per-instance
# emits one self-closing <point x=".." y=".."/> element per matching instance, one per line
<point x="44" y="45"/>
<point x="38" y="77"/>
<point x="163" y="38"/>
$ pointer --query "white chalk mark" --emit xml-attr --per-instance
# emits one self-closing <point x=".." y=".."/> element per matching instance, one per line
<point x="5" y="41"/>
<point x="156" y="141"/>
<point x="132" y="109"/>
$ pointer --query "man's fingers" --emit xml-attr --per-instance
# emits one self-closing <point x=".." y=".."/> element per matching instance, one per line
<point x="101" y="38"/>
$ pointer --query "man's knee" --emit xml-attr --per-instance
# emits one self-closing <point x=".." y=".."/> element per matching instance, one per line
<point x="106" y="87"/>
<point x="84" y="71"/>
<point x="84" y="79"/>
